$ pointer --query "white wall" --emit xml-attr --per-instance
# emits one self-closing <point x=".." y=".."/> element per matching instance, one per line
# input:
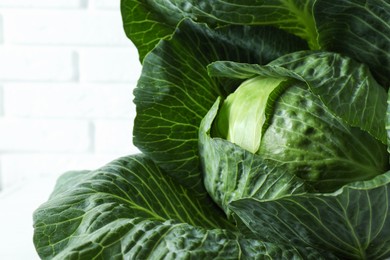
<point x="67" y="72"/>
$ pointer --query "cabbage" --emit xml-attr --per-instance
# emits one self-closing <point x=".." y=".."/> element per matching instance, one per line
<point x="303" y="136"/>
<point x="264" y="128"/>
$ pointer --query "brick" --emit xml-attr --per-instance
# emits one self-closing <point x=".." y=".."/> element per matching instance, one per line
<point x="71" y="27"/>
<point x="42" y="3"/>
<point x="1" y="178"/>
<point x="1" y="101"/>
<point x="52" y="100"/>
<point x="37" y="64"/>
<point x="106" y="4"/>
<point x="18" y="168"/>
<point x="114" y="136"/>
<point x="29" y="135"/>
<point x="109" y="65"/>
<point x="1" y="29"/>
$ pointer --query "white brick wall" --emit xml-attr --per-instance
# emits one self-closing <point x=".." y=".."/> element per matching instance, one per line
<point x="64" y="27"/>
<point x="26" y="166"/>
<point x="1" y="102"/>
<point x="96" y="65"/>
<point x="42" y="135"/>
<point x="68" y="100"/>
<point x="43" y="3"/>
<point x="1" y="29"/>
<point x="112" y="134"/>
<point x="104" y="4"/>
<point x="19" y="63"/>
<point x="67" y="73"/>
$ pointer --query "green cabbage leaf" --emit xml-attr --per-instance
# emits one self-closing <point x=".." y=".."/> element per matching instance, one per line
<point x="131" y="209"/>
<point x="357" y="28"/>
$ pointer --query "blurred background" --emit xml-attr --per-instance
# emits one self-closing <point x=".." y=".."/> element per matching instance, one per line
<point x="67" y="73"/>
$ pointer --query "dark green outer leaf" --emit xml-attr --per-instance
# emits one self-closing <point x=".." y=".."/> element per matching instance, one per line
<point x="307" y="140"/>
<point x="345" y="86"/>
<point x="359" y="29"/>
<point x="175" y="91"/>
<point x="294" y="16"/>
<point x="353" y="222"/>
<point x="93" y="203"/>
<point x="66" y="180"/>
<point x="146" y="22"/>
<point x="388" y="122"/>
<point x="130" y="209"/>
<point x="145" y="26"/>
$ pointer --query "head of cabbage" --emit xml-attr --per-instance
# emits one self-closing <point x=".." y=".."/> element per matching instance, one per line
<point x="290" y="125"/>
